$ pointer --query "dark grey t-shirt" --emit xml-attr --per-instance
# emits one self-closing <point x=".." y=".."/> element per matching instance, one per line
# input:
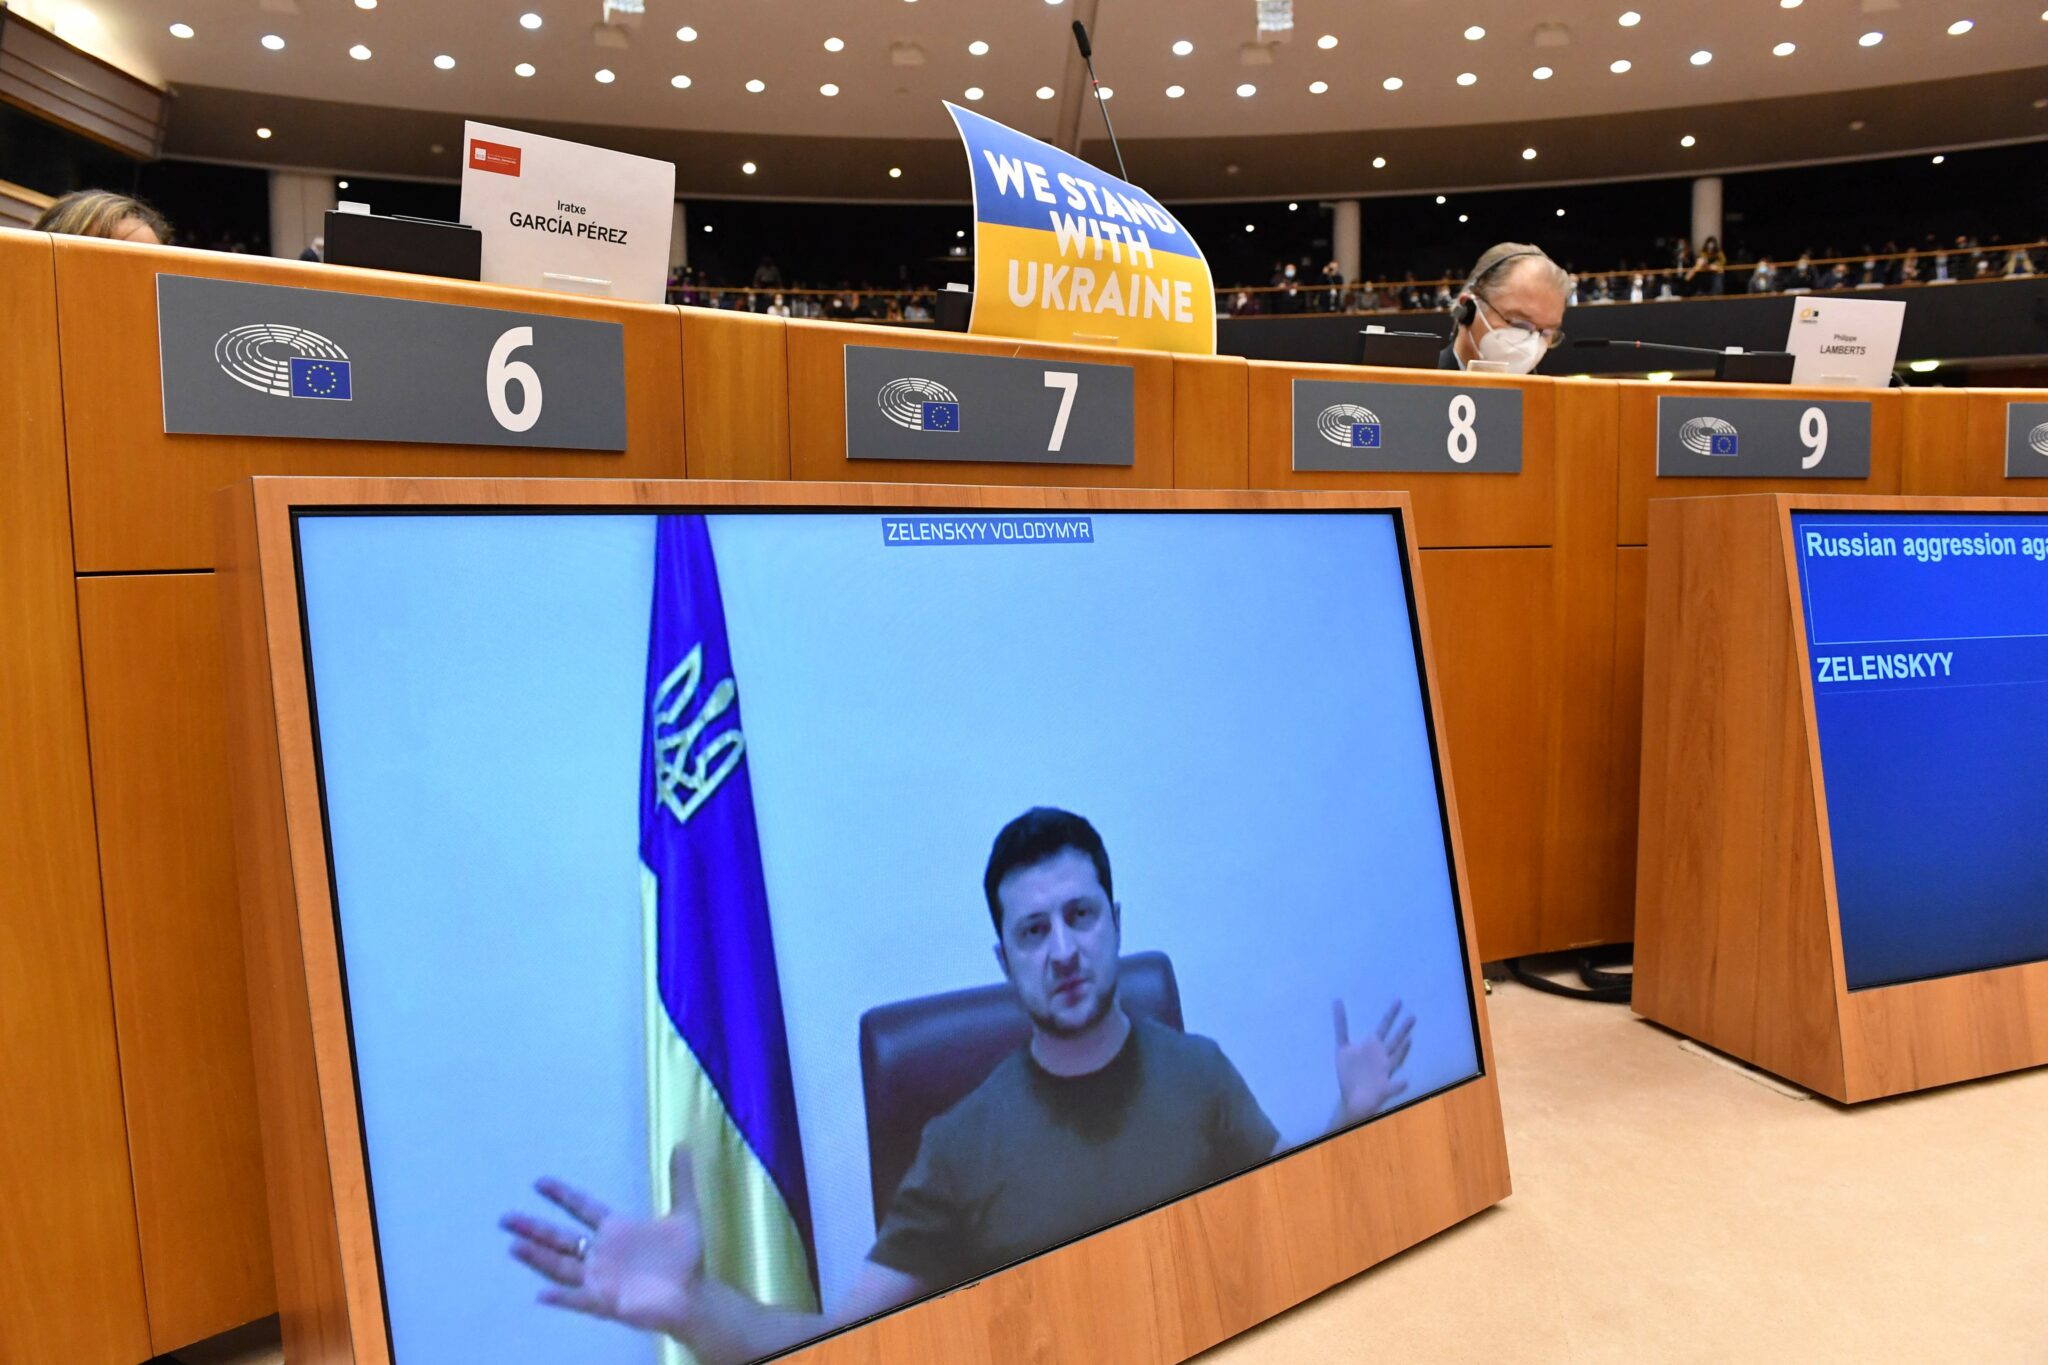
<point x="1030" y="1159"/>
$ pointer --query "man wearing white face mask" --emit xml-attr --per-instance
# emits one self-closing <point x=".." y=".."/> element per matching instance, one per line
<point x="1510" y="312"/>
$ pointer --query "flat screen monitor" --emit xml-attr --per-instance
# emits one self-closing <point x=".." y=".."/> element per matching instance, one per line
<point x="757" y="920"/>
<point x="1928" y="636"/>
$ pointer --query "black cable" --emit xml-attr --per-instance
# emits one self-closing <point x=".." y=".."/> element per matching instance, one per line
<point x="1602" y="987"/>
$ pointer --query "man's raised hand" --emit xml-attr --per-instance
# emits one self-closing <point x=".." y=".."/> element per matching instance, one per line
<point x="1366" y="1069"/>
<point x="643" y="1272"/>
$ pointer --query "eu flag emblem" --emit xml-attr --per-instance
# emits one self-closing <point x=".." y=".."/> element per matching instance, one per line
<point x="1726" y="443"/>
<point x="940" y="416"/>
<point x="319" y="378"/>
<point x="1365" y="435"/>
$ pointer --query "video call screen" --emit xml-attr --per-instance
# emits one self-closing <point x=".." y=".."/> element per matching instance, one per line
<point x="1928" y="636"/>
<point x="659" y="842"/>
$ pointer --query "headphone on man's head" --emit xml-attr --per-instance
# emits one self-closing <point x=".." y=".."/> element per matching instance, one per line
<point x="1466" y="309"/>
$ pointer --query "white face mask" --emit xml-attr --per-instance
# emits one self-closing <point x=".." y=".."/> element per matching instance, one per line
<point x="1515" y="347"/>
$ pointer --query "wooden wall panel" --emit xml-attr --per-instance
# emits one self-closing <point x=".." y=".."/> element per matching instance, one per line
<point x="70" y="1265"/>
<point x="1494" y="629"/>
<point x="736" y="394"/>
<point x="154" y="698"/>
<point x="1623" y="747"/>
<point x="817" y="411"/>
<point x="1211" y="422"/>
<point x="139" y="497"/>
<point x="1473" y="510"/>
<point x="1159" y="1287"/>
<point x="1639" y="481"/>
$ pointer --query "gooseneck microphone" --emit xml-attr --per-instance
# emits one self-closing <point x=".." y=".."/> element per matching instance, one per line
<point x="1653" y="346"/>
<point x="1088" y="59"/>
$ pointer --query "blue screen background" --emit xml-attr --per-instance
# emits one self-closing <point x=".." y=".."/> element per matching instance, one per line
<point x="1937" y="787"/>
<point x="1232" y="699"/>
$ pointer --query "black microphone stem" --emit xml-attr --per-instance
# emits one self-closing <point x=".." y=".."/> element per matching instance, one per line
<point x="1088" y="59"/>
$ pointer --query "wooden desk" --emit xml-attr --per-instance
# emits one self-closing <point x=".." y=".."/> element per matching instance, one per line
<point x="1954" y="443"/>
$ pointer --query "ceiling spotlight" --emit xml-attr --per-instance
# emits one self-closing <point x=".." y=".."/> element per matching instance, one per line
<point x="1528" y="153"/>
<point x="1105" y="92"/>
<point x="679" y="82"/>
<point x="1314" y="87"/>
<point x="366" y="4"/>
<point x="1630" y="19"/>
<point x="959" y="232"/>
<point x="1660" y="376"/>
<point x="1391" y="83"/>
<point x="181" y="30"/>
<point x="341" y="184"/>
<point x="1939" y="159"/>
<point x="1467" y="78"/>
<point x="1474" y="34"/>
<point x="605" y="76"/>
<point x="756" y="86"/>
<point x="1464" y="217"/>
<point x="1327" y="41"/>
<point x="977" y="48"/>
<point x="1182" y="48"/>
<point x="1441" y="200"/>
<point x="835" y="44"/>
<point x="1784" y="49"/>
<point x="1688" y="140"/>
<point x="707" y="227"/>
<point x="973" y="92"/>
<point x="1542" y="73"/>
<point x="1249" y="228"/>
<point x="529" y="20"/>
<point x="1789" y="4"/>
<point x="1620" y="68"/>
<point x="895" y="172"/>
<point x="828" y="90"/>
<point x="1857" y="125"/>
<point x="1960" y="27"/>
<point x="1379" y="163"/>
<point x="1045" y="92"/>
<point x="445" y="62"/>
<point x="1923" y="366"/>
<point x="748" y="168"/>
<point x="1560" y="213"/>
<point x="686" y="34"/>
<point x="359" y="52"/>
<point x="263" y="133"/>
<point x="273" y="42"/>
<point x="1702" y="57"/>
<point x="1293" y="207"/>
<point x="1870" y="39"/>
<point x="526" y="69"/>
<point x="1247" y="90"/>
<point x="1174" y="92"/>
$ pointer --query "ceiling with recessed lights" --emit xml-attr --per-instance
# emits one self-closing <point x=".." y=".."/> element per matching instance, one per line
<point x="764" y="66"/>
<point x="877" y="70"/>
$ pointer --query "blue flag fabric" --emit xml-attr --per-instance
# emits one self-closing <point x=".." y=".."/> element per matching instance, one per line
<point x="715" y="954"/>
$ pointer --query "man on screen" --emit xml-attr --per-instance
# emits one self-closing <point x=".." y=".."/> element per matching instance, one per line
<point x="1098" y="1116"/>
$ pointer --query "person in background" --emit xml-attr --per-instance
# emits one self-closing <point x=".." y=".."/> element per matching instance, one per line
<point x="316" y="250"/>
<point x="1682" y="265"/>
<point x="1705" y="275"/>
<point x="1801" y="277"/>
<point x="2019" y="263"/>
<point x="1763" y="279"/>
<point x="778" y="307"/>
<point x="767" y="275"/>
<point x="1638" y="287"/>
<point x="1333" y="288"/>
<point x="1838" y="278"/>
<point x="102" y="213"/>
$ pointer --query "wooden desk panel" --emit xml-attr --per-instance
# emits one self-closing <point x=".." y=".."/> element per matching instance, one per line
<point x="1954" y="443"/>
<point x="817" y="412"/>
<point x="1211" y="422"/>
<point x="1492" y="638"/>
<point x="736" y="407"/>
<point x="154" y="698"/>
<point x="1450" y="509"/>
<point x="1639" y="481"/>
<point x="70" y="1265"/>
<point x="139" y="496"/>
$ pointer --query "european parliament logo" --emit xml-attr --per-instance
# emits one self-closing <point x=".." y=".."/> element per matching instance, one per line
<point x="1350" y="426"/>
<point x="920" y="405"/>
<point x="2037" y="439"/>
<point x="1710" y="436"/>
<point x="285" y="362"/>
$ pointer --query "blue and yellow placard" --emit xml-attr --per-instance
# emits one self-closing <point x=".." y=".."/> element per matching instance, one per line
<point x="1063" y="252"/>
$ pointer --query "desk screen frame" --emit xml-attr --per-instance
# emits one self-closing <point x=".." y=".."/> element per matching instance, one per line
<point x="1328" y="1201"/>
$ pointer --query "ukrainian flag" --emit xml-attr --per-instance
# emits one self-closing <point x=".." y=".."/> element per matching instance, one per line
<point x="718" y="1078"/>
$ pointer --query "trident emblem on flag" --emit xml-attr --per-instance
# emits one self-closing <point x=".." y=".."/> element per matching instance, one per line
<point x="685" y="776"/>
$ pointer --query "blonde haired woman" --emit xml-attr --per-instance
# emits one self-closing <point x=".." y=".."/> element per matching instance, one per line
<point x="102" y="213"/>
